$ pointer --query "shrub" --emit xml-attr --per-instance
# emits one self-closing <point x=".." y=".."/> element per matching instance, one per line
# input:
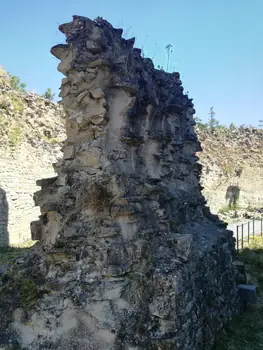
<point x="200" y="124"/>
<point x="16" y="84"/>
<point x="49" y="95"/>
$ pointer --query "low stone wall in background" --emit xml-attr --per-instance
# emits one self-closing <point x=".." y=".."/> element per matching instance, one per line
<point x="18" y="175"/>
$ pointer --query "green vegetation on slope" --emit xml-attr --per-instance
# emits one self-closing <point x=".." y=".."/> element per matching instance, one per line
<point x="27" y="117"/>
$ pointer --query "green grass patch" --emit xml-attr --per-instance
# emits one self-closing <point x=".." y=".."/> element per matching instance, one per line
<point x="7" y="255"/>
<point x="245" y="332"/>
<point x="227" y="208"/>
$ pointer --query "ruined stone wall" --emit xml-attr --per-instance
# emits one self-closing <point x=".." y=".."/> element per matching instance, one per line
<point x="232" y="174"/>
<point x="129" y="256"/>
<point x="31" y="131"/>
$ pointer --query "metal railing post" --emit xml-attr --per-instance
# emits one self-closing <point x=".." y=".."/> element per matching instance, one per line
<point x="253" y="228"/>
<point x="242" y="236"/>
<point x="248" y="224"/>
<point x="237" y="237"/>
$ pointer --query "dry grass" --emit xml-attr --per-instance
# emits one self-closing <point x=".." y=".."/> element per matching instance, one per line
<point x="4" y="77"/>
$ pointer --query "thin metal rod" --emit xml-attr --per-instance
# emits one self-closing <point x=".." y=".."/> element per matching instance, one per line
<point x="242" y="236"/>
<point x="237" y="237"/>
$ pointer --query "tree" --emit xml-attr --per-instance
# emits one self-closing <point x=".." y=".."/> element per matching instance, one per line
<point x="199" y="123"/>
<point x="213" y="123"/>
<point x="49" y="95"/>
<point x="16" y="83"/>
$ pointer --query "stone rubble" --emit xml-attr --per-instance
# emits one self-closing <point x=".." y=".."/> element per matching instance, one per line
<point x="129" y="257"/>
<point x="238" y="214"/>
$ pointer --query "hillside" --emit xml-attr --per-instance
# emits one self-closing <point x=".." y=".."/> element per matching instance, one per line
<point x="32" y="134"/>
<point x="232" y="174"/>
<point x="27" y="117"/>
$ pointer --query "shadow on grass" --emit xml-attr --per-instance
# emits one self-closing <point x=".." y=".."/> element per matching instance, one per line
<point x="245" y="332"/>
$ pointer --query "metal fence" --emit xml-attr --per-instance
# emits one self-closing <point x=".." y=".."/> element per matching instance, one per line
<point x="247" y="231"/>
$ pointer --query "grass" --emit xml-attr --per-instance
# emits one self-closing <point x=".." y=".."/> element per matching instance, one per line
<point x="28" y="292"/>
<point x="52" y="140"/>
<point x="245" y="332"/>
<point x="15" y="136"/>
<point x="228" y="169"/>
<point x="18" y="103"/>
<point x="227" y="208"/>
<point x="7" y="255"/>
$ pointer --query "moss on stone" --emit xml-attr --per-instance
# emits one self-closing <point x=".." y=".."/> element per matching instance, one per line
<point x="28" y="292"/>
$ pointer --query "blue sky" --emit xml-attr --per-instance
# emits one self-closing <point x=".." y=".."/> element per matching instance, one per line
<point x="217" y="45"/>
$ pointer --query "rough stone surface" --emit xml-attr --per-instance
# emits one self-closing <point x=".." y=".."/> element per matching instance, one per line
<point x="31" y="132"/>
<point x="232" y="174"/>
<point x="130" y="257"/>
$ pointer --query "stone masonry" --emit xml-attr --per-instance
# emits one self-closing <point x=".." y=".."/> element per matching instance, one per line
<point x="231" y="160"/>
<point x="18" y="174"/>
<point x="129" y="257"/>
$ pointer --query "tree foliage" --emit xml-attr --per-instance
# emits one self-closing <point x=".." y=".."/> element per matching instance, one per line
<point x="200" y="124"/>
<point x="213" y="125"/>
<point x="16" y="83"/>
<point x="49" y="95"/>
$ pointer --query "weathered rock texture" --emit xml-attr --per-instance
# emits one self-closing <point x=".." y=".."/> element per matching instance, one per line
<point x="232" y="174"/>
<point x="31" y="133"/>
<point x="128" y="258"/>
<point x="32" y="130"/>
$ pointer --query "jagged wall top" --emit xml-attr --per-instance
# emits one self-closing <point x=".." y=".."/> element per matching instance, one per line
<point x="97" y="43"/>
<point x="128" y="124"/>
